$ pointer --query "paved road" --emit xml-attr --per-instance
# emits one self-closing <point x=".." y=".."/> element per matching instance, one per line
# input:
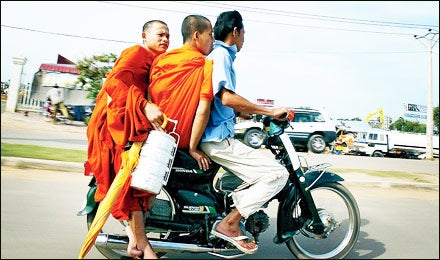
<point x="33" y="129"/>
<point x="38" y="209"/>
<point x="396" y="223"/>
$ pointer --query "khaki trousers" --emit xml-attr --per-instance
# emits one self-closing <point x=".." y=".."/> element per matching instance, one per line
<point x="265" y="175"/>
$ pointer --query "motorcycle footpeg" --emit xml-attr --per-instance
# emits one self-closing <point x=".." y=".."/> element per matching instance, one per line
<point x="218" y="242"/>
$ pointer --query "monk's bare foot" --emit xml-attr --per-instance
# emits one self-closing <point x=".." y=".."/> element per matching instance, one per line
<point x="147" y="250"/>
<point x="131" y="248"/>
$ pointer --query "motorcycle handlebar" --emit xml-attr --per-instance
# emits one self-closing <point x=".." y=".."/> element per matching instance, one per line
<point x="276" y="127"/>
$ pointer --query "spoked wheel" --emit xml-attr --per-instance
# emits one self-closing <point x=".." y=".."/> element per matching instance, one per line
<point x="163" y="208"/>
<point x="340" y="215"/>
<point x="316" y="144"/>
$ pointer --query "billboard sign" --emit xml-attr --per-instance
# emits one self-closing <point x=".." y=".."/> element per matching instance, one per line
<point x="265" y="102"/>
<point x="414" y="112"/>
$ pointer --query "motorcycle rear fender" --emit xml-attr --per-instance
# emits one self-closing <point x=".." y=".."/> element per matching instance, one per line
<point x="285" y="226"/>
<point x="89" y="202"/>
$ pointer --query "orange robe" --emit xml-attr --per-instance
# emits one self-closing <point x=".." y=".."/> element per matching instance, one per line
<point x="178" y="80"/>
<point x="117" y="118"/>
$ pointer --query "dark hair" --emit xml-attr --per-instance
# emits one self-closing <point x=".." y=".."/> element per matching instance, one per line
<point x="225" y="24"/>
<point x="193" y="23"/>
<point x="148" y="24"/>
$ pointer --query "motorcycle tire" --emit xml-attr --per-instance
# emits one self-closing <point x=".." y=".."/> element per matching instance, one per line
<point x="340" y="214"/>
<point x="162" y="208"/>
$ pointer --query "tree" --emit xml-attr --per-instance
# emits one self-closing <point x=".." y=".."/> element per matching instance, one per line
<point x="93" y="71"/>
<point x="415" y="127"/>
<point x="408" y="126"/>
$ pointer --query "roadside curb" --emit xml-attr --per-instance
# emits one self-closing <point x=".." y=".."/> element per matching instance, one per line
<point x="42" y="164"/>
<point x="356" y="180"/>
<point x="394" y="184"/>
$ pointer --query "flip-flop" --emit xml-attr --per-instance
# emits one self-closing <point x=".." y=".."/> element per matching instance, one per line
<point x="233" y="240"/>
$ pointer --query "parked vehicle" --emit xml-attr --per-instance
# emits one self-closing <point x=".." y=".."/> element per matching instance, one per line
<point x="251" y="132"/>
<point x="311" y="130"/>
<point x="317" y="218"/>
<point x="380" y="143"/>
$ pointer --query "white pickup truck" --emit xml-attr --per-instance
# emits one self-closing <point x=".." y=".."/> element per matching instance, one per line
<point x="311" y="129"/>
<point x="380" y="143"/>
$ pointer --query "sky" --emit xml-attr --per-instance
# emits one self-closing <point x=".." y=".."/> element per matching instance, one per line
<point x="349" y="58"/>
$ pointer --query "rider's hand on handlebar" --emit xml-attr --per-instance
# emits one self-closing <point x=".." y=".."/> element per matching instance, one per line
<point x="280" y="114"/>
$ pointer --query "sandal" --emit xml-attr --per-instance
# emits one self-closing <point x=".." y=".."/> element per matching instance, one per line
<point x="234" y="240"/>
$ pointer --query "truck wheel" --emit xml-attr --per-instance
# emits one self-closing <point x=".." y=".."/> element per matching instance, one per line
<point x="377" y="154"/>
<point x="254" y="138"/>
<point x="316" y="144"/>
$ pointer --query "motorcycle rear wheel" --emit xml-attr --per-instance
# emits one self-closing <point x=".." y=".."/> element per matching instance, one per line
<point x="162" y="208"/>
<point x="340" y="214"/>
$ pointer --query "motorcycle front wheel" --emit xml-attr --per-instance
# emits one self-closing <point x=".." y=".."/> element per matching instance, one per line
<point x="162" y="208"/>
<point x="340" y="215"/>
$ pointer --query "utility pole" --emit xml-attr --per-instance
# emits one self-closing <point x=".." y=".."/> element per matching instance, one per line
<point x="431" y="36"/>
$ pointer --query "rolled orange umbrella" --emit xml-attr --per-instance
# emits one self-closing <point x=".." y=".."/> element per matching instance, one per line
<point x="130" y="160"/>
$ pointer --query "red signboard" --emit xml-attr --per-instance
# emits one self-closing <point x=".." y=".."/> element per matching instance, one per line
<point x="266" y="102"/>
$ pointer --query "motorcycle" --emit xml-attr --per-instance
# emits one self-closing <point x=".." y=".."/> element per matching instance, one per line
<point x="317" y="217"/>
<point x="84" y="113"/>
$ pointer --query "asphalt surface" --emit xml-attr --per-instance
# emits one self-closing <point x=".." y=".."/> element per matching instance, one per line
<point x="355" y="170"/>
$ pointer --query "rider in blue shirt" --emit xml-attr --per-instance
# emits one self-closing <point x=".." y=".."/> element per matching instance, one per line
<point x="264" y="176"/>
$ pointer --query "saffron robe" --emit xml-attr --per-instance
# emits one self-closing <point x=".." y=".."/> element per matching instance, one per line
<point x="118" y="118"/>
<point x="178" y="80"/>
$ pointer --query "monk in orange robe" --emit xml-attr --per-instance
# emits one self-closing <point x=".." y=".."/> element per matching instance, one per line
<point x="122" y="115"/>
<point x="181" y="85"/>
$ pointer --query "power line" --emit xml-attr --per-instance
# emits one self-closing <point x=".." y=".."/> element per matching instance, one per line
<point x="64" y="34"/>
<point x="295" y="14"/>
<point x="284" y="13"/>
<point x="254" y="10"/>
<point x="318" y="17"/>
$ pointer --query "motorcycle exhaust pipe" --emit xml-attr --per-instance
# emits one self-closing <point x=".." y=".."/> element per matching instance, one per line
<point x="116" y="242"/>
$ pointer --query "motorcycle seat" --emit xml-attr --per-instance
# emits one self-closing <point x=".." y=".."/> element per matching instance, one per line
<point x="186" y="169"/>
<point x="229" y="182"/>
